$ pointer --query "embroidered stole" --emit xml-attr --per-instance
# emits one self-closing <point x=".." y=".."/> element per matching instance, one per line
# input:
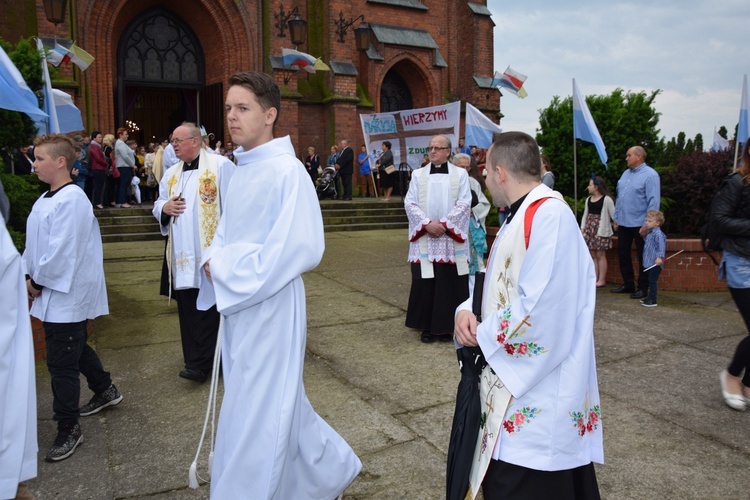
<point x="209" y="210"/>
<point x="500" y="289"/>
<point x="459" y="248"/>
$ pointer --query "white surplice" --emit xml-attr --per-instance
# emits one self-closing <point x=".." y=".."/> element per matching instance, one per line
<point x="64" y="255"/>
<point x="18" y="442"/>
<point x="270" y="443"/>
<point x="442" y="205"/>
<point x="539" y="339"/>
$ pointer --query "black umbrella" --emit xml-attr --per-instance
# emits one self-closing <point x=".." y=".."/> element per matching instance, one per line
<point x="466" y="423"/>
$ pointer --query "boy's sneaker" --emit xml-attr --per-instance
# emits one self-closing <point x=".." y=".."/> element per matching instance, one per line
<point x="67" y="440"/>
<point x="110" y="397"/>
<point x="648" y="303"/>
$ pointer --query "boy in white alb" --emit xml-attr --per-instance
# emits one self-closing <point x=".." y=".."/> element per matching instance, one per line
<point x="64" y="267"/>
<point x="270" y="443"/>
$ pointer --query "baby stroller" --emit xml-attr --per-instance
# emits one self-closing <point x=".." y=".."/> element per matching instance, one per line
<point x="326" y="183"/>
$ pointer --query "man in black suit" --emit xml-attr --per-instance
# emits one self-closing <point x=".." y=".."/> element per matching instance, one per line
<point x="345" y="166"/>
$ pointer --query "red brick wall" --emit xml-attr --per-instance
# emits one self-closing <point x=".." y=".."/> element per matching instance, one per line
<point x="232" y="38"/>
<point x="690" y="271"/>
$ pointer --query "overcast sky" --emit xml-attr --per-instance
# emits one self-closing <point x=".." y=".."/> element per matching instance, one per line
<point x="695" y="51"/>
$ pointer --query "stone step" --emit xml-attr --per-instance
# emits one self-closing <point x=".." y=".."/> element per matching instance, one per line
<point x="126" y="219"/>
<point x="130" y="228"/>
<point x="363" y="219"/>
<point x="124" y="212"/>
<point x="125" y="237"/>
<point x="367" y="227"/>
<point x="138" y="223"/>
<point x="362" y="211"/>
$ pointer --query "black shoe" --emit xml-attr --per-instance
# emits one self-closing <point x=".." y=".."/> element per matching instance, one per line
<point x="445" y="338"/>
<point x="427" y="337"/>
<point x="192" y="374"/>
<point x="623" y="289"/>
<point x="110" y="397"/>
<point x="638" y="294"/>
<point x="648" y="303"/>
<point x="67" y="440"/>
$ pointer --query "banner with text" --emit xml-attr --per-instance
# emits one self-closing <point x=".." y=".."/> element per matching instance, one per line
<point x="410" y="131"/>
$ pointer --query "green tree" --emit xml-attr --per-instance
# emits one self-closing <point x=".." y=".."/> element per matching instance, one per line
<point x="698" y="142"/>
<point x="624" y="119"/>
<point x="17" y="129"/>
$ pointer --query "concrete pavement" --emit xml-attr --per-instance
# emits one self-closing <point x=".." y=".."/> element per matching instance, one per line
<point x="667" y="433"/>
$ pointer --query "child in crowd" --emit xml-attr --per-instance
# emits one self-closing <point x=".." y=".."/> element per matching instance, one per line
<point x="64" y="268"/>
<point x="654" y="251"/>
<point x="596" y="226"/>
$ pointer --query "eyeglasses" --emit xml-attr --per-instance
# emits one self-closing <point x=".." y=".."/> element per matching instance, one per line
<point x="176" y="141"/>
<point x="437" y="148"/>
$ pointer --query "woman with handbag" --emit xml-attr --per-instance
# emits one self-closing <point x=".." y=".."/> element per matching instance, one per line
<point x="730" y="214"/>
<point x="387" y="171"/>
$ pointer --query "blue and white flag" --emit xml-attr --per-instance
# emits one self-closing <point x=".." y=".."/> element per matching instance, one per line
<point x="68" y="114"/>
<point x="743" y="127"/>
<point x="479" y="129"/>
<point x="49" y="124"/>
<point x="15" y="95"/>
<point x="584" y="127"/>
<point x="720" y="144"/>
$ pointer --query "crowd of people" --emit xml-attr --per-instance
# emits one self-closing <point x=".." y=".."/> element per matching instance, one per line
<point x="113" y="170"/>
<point x="521" y="316"/>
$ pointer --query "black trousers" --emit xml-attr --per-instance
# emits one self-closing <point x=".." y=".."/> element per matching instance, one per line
<point x="505" y="481"/>
<point x="433" y="301"/>
<point x="68" y="354"/>
<point x="198" y="329"/>
<point x="741" y="359"/>
<point x="100" y="181"/>
<point x="346" y="181"/>
<point x="625" y="238"/>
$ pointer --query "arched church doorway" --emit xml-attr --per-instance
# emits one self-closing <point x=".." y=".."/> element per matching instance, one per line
<point x="161" y="78"/>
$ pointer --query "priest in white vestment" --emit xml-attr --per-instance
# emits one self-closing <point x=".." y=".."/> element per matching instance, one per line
<point x="270" y="443"/>
<point x="191" y="196"/>
<point x="18" y="442"/>
<point x="438" y="205"/>
<point x="542" y="426"/>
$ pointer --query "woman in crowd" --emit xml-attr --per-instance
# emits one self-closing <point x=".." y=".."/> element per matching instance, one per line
<point x="152" y="186"/>
<point x="387" y="180"/>
<point x="480" y="208"/>
<point x="110" y="190"/>
<point x="596" y="226"/>
<point x="99" y="167"/>
<point x="125" y="161"/>
<point x="312" y="163"/>
<point x="731" y="217"/>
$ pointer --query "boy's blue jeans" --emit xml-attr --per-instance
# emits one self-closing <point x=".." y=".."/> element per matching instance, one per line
<point x="653" y="276"/>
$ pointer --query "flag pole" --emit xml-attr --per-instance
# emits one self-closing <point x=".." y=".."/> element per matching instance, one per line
<point x="575" y="159"/>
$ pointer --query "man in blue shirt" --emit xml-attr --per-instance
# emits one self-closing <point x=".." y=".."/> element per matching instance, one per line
<point x="638" y="191"/>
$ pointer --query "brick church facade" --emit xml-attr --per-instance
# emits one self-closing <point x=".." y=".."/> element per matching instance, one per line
<point x="160" y="63"/>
